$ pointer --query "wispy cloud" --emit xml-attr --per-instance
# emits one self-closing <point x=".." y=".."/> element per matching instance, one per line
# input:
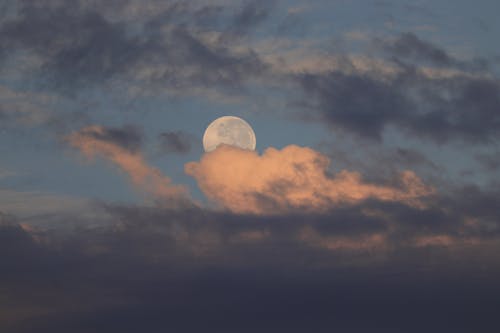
<point x="119" y="146"/>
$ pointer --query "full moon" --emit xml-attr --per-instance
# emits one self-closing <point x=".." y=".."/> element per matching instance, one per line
<point x="229" y="130"/>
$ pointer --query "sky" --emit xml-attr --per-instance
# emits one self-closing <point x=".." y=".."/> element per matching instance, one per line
<point x="369" y="205"/>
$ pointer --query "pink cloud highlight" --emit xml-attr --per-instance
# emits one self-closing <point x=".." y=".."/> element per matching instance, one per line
<point x="290" y="179"/>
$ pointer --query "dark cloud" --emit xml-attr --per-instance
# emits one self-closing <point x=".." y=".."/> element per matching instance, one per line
<point x="411" y="47"/>
<point x="409" y="157"/>
<point x="371" y="161"/>
<point x="439" y="108"/>
<point x="176" y="142"/>
<point x="15" y="241"/>
<point x="213" y="64"/>
<point x="153" y="269"/>
<point x="477" y="203"/>
<point x="251" y="14"/>
<point x="355" y="102"/>
<point x="209" y="15"/>
<point x="128" y="137"/>
<point x="488" y="161"/>
<point x="79" y="46"/>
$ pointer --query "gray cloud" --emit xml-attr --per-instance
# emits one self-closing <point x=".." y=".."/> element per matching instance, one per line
<point x="411" y="47"/>
<point x="214" y="64"/>
<point x="80" y="47"/>
<point x="489" y="162"/>
<point x="371" y="161"/>
<point x="176" y="142"/>
<point x="357" y="103"/>
<point x="440" y="109"/>
<point x="251" y="14"/>
<point x="128" y="137"/>
<point x="408" y="47"/>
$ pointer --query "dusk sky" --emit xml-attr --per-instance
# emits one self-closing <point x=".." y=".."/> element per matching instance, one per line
<point x="371" y="202"/>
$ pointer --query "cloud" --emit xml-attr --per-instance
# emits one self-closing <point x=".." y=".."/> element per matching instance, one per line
<point x="355" y="102"/>
<point x="411" y="47"/>
<point x="119" y="146"/>
<point x="291" y="179"/>
<point x="150" y="268"/>
<point x="189" y="60"/>
<point x="438" y="108"/>
<point x="277" y="182"/>
<point x="155" y="269"/>
<point x="489" y="162"/>
<point x="175" y="142"/>
<point x="25" y="204"/>
<point x="25" y="107"/>
<point x="413" y="87"/>
<point x="127" y="137"/>
<point x="370" y="242"/>
<point x="79" y="45"/>
<point x="252" y="13"/>
<point x="408" y="47"/>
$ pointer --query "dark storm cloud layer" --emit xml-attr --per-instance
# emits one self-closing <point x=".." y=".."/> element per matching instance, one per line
<point x="79" y="47"/>
<point x="439" y="108"/>
<point x="154" y="270"/>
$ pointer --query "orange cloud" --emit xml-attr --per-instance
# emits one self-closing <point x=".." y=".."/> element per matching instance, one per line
<point x="294" y="178"/>
<point x="91" y="141"/>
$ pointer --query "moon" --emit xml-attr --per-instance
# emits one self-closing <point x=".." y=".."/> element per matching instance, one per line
<point x="229" y="130"/>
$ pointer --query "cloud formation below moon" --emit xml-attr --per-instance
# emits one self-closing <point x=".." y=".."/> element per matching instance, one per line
<point x="293" y="178"/>
<point x="244" y="182"/>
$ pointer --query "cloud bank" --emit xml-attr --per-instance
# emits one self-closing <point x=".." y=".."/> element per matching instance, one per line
<point x="154" y="269"/>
